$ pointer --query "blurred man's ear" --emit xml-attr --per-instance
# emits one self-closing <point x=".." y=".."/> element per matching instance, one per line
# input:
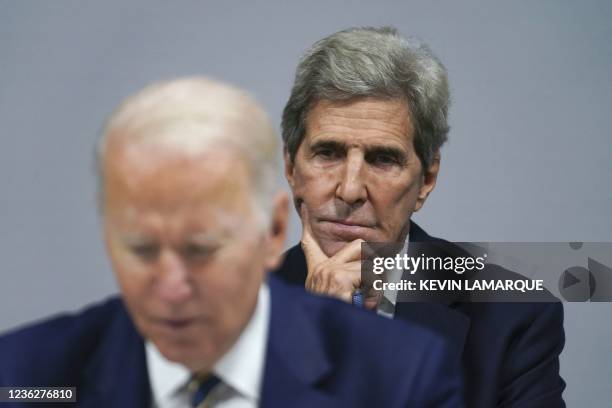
<point x="288" y="167"/>
<point x="277" y="230"/>
<point x="429" y="180"/>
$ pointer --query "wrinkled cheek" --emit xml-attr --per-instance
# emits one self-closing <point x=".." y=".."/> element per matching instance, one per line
<point x="310" y="181"/>
<point x="300" y="185"/>
<point x="315" y="191"/>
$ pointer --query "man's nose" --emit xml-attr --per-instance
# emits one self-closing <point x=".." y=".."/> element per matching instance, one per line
<point x="173" y="285"/>
<point x="352" y="188"/>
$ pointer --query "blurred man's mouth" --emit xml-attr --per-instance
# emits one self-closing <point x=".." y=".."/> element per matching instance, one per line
<point x="174" y="324"/>
<point x="178" y="323"/>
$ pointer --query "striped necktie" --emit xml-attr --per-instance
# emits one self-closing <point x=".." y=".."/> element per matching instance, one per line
<point x="201" y="386"/>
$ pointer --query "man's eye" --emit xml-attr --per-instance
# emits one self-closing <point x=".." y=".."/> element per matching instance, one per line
<point x="326" y="154"/>
<point x="145" y="251"/>
<point x="198" y="252"/>
<point x="384" y="160"/>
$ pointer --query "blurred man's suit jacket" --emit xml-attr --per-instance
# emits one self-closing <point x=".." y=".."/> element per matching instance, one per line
<point x="321" y="353"/>
<point x="510" y="351"/>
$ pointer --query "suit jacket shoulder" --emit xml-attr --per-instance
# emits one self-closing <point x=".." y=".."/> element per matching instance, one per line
<point x="97" y="350"/>
<point x="54" y="348"/>
<point x="345" y="356"/>
<point x="513" y="346"/>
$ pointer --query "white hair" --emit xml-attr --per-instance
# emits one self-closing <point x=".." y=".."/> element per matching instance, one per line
<point x="184" y="114"/>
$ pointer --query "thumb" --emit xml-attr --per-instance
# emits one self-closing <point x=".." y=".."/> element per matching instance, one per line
<point x="312" y="251"/>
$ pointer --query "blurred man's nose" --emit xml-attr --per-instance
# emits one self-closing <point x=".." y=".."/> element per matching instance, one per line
<point x="351" y="188"/>
<point x="173" y="284"/>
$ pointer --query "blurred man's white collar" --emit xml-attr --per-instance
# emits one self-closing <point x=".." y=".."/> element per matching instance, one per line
<point x="240" y="370"/>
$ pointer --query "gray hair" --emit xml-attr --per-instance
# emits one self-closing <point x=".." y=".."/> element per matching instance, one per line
<point x="186" y="108"/>
<point x="375" y="62"/>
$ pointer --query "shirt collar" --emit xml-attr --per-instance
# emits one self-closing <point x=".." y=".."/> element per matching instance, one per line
<point x="395" y="275"/>
<point x="241" y="368"/>
<point x="166" y="377"/>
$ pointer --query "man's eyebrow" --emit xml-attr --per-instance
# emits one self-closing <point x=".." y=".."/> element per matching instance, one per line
<point x="206" y="238"/>
<point x="396" y="152"/>
<point x="387" y="150"/>
<point x="328" y="144"/>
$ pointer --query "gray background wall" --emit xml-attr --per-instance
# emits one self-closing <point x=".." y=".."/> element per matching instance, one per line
<point x="529" y="157"/>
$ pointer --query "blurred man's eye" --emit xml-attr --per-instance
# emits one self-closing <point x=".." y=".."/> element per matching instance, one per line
<point x="198" y="253"/>
<point x="146" y="252"/>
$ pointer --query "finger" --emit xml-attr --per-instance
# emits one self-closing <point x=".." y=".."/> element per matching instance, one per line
<point x="312" y="251"/>
<point x="314" y="281"/>
<point x="346" y="297"/>
<point x="340" y="279"/>
<point x="309" y="281"/>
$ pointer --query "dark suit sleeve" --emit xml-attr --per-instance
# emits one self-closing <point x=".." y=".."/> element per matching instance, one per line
<point x="532" y="367"/>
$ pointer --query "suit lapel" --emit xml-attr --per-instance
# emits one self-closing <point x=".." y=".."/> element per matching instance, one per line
<point x="295" y="358"/>
<point x="117" y="373"/>
<point x="441" y="317"/>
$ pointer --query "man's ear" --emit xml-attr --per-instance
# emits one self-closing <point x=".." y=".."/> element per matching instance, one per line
<point x="277" y="230"/>
<point x="288" y="166"/>
<point x="430" y="176"/>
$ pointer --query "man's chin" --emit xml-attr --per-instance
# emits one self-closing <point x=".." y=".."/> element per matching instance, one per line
<point x="191" y="357"/>
<point x="331" y="242"/>
<point x="332" y="246"/>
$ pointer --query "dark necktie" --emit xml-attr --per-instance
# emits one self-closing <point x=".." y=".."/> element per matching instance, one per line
<point x="204" y="387"/>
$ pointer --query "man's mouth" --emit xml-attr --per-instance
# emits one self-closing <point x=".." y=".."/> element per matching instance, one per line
<point x="346" y="229"/>
<point x="176" y="324"/>
<point x="348" y="223"/>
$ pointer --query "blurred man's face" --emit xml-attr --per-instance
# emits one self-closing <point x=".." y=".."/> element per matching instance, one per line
<point x="356" y="173"/>
<point x="185" y="245"/>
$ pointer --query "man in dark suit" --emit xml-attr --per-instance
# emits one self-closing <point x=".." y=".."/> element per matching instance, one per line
<point x="362" y="133"/>
<point x="192" y="223"/>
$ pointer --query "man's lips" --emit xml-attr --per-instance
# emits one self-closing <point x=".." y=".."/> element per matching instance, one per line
<point x="346" y="230"/>
<point x="348" y="223"/>
<point x="176" y="324"/>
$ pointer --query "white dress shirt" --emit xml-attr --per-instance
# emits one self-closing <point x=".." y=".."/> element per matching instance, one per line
<point x="240" y="369"/>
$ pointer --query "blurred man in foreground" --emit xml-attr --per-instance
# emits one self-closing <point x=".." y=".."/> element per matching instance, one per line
<point x="192" y="222"/>
<point x="362" y="133"/>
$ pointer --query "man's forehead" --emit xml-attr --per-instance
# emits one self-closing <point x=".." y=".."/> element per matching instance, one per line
<point x="216" y="224"/>
<point x="166" y="152"/>
<point x="368" y="107"/>
<point x="369" y="120"/>
<point x="149" y="176"/>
